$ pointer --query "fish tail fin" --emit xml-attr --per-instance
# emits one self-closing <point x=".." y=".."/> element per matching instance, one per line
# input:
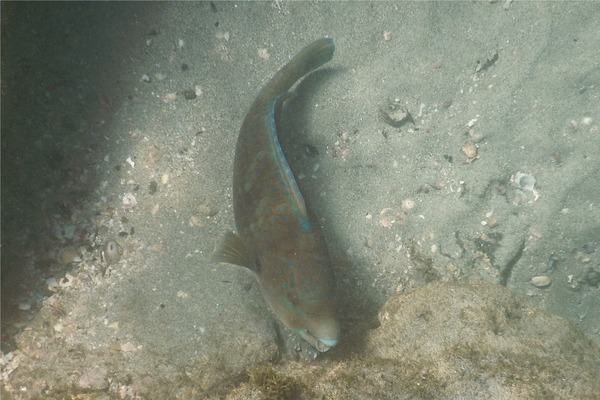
<point x="308" y="59"/>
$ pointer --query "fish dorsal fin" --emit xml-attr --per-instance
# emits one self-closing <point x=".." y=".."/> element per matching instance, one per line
<point x="286" y="173"/>
<point x="232" y="250"/>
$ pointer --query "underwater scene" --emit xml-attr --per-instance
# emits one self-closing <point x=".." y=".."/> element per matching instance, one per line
<point x="300" y="200"/>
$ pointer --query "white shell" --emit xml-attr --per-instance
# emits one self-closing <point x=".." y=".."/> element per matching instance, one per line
<point x="524" y="181"/>
<point x="541" y="281"/>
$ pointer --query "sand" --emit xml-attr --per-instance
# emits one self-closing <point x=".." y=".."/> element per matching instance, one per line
<point x="119" y="122"/>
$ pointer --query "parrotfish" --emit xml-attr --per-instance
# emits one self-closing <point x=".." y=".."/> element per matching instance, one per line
<point x="277" y="237"/>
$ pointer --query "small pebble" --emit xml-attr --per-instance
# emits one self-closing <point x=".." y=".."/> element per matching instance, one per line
<point x="541" y="281"/>
<point x="153" y="187"/>
<point x="592" y="277"/>
<point x="470" y="150"/>
<point x="129" y="202"/>
<point x="67" y="281"/>
<point x="52" y="283"/>
<point x="70" y="232"/>
<point x="130" y="162"/>
<point x="169" y="97"/>
<point x="264" y="54"/>
<point x="189" y="94"/>
<point x="408" y="204"/>
<point x="67" y="256"/>
<point x="492" y="222"/>
<point x="112" y="253"/>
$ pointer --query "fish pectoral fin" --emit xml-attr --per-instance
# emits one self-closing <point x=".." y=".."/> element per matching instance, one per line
<point x="232" y="250"/>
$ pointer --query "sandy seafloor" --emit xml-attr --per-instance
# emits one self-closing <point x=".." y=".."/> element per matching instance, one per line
<point x="95" y="116"/>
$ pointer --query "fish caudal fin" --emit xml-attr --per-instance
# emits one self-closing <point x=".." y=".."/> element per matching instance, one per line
<point x="309" y="58"/>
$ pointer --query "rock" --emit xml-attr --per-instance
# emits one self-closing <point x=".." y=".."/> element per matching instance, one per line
<point x="446" y="340"/>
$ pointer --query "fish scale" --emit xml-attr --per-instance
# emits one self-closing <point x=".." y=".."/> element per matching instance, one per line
<point x="276" y="236"/>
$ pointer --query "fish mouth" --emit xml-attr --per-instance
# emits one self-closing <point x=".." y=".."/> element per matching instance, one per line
<point x="325" y="344"/>
<point x="328" y="342"/>
<point x="321" y="344"/>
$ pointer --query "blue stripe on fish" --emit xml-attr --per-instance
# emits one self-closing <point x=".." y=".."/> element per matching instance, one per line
<point x="285" y="173"/>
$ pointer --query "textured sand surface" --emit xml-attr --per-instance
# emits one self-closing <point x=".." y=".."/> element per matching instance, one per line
<point x="119" y="122"/>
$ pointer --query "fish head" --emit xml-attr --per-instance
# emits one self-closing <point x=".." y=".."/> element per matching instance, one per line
<point x="322" y="333"/>
<point x="299" y="288"/>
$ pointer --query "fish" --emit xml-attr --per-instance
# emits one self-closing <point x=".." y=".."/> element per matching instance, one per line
<point x="277" y="237"/>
